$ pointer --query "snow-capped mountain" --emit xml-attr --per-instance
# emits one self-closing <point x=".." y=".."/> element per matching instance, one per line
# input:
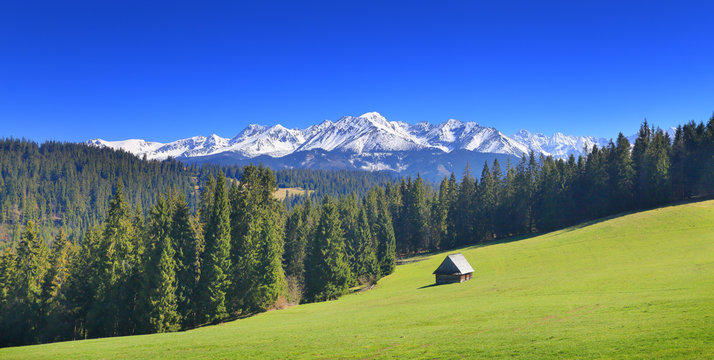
<point x="558" y="145"/>
<point x="368" y="142"/>
<point x="368" y="133"/>
<point x="454" y="134"/>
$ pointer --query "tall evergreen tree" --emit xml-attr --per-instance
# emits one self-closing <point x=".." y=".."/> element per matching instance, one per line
<point x="58" y="322"/>
<point x="112" y="312"/>
<point x="328" y="273"/>
<point x="383" y="232"/>
<point x="366" y="264"/>
<point x="622" y="175"/>
<point x="23" y="317"/>
<point x="464" y="210"/>
<point x="159" y="301"/>
<point x="82" y="282"/>
<point x="187" y="258"/>
<point x="487" y="202"/>
<point x="270" y="277"/>
<point x="641" y="166"/>
<point x="216" y="262"/>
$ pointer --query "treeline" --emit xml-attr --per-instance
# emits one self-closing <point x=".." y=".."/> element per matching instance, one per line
<point x="68" y="186"/>
<point x="545" y="194"/>
<point x="318" y="183"/>
<point x="65" y="185"/>
<point x="174" y="269"/>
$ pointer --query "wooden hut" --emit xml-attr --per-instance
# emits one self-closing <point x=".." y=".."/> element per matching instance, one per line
<point x="454" y="269"/>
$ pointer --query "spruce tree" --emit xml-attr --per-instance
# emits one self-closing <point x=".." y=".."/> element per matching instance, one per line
<point x="83" y="281"/>
<point x="383" y="231"/>
<point x="464" y="210"/>
<point x="58" y="323"/>
<point x="187" y="257"/>
<point x="8" y="272"/>
<point x="486" y="204"/>
<point x="8" y="280"/>
<point x="25" y="316"/>
<point x="159" y="301"/>
<point x="270" y="281"/>
<point x="622" y="175"/>
<point x="299" y="229"/>
<point x="112" y="312"/>
<point x="216" y="262"/>
<point x="328" y="272"/>
<point x="367" y="267"/>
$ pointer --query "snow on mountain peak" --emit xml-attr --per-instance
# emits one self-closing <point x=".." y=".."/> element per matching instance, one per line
<point x="368" y="134"/>
<point x="558" y="145"/>
<point x="373" y="115"/>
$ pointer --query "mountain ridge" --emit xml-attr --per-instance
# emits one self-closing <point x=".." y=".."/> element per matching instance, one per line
<point x="367" y="134"/>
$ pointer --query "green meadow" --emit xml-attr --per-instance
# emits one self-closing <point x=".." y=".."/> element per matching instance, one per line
<point x="634" y="286"/>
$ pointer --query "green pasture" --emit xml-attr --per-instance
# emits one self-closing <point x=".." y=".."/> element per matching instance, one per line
<point x="635" y="286"/>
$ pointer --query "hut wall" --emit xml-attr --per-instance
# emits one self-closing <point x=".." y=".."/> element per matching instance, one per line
<point x="448" y="279"/>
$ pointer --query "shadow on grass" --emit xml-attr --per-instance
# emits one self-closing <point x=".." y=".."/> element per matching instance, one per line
<point x="430" y="285"/>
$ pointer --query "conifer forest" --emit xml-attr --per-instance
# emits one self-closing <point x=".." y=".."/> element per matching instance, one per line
<point x="96" y="242"/>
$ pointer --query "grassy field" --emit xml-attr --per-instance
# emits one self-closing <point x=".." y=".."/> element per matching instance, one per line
<point x="637" y="286"/>
<point x="282" y="193"/>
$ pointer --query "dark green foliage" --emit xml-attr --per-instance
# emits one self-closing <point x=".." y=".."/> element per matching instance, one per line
<point x="257" y="242"/>
<point x="22" y="315"/>
<point x="328" y="272"/>
<point x="159" y="306"/>
<point x="113" y="311"/>
<point x="54" y="293"/>
<point x="622" y="175"/>
<point x="187" y="258"/>
<point x="383" y="231"/>
<point x="65" y="185"/>
<point x="82" y="283"/>
<point x="366" y="265"/>
<point x="216" y="262"/>
<point x="299" y="231"/>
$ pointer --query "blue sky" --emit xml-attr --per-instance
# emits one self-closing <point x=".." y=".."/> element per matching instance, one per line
<point x="166" y="70"/>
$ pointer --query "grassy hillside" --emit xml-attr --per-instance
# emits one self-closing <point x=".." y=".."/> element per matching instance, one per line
<point x="636" y="286"/>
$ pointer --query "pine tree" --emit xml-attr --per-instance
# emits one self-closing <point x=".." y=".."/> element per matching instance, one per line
<point x="328" y="272"/>
<point x="112" y="312"/>
<point x="8" y="273"/>
<point x="25" y="315"/>
<point x="216" y="262"/>
<point x="486" y="204"/>
<point x="8" y="279"/>
<point x="158" y="295"/>
<point x="452" y="213"/>
<point x="83" y="281"/>
<point x="366" y="267"/>
<point x="622" y="175"/>
<point x="348" y="214"/>
<point x="187" y="257"/>
<point x="383" y="232"/>
<point x="58" y="323"/>
<point x="640" y="164"/>
<point x="270" y="281"/>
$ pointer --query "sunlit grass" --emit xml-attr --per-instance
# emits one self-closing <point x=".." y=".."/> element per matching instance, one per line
<point x="635" y="286"/>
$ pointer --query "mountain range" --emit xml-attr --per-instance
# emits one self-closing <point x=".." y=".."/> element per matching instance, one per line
<point x="367" y="142"/>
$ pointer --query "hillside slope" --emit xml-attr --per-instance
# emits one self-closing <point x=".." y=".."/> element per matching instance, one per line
<point x="635" y="286"/>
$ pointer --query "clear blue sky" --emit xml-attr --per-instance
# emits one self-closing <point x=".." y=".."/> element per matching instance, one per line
<point x="167" y="70"/>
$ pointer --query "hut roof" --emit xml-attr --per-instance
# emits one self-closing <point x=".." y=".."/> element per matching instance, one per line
<point x="454" y="264"/>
